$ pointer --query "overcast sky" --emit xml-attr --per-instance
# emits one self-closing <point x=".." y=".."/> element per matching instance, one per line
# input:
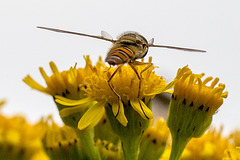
<point x="210" y="25"/>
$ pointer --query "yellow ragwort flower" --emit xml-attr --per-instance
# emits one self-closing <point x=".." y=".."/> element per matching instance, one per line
<point x="210" y="146"/>
<point x="191" y="109"/>
<point x="232" y="154"/>
<point x="154" y="140"/>
<point x="66" y="83"/>
<point x="193" y="103"/>
<point x="69" y="84"/>
<point x="18" y="139"/>
<point x="126" y="83"/>
<point x="191" y="91"/>
<point x="40" y="156"/>
<point x="235" y="137"/>
<point x="62" y="143"/>
<point x="108" y="150"/>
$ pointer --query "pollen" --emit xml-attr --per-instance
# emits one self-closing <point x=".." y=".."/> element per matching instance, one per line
<point x="125" y="82"/>
<point x="136" y="92"/>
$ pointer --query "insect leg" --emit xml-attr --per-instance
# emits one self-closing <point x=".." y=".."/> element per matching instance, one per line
<point x="108" y="69"/>
<point x="140" y="83"/>
<point x="146" y="68"/>
<point x="114" y="91"/>
<point x="149" y="64"/>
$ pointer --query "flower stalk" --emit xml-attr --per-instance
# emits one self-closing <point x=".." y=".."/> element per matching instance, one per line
<point x="178" y="145"/>
<point x="87" y="141"/>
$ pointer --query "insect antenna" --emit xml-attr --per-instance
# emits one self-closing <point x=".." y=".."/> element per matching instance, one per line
<point x="178" y="48"/>
<point x="76" y="33"/>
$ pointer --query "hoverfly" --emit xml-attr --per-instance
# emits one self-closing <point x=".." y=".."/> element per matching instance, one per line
<point x="129" y="47"/>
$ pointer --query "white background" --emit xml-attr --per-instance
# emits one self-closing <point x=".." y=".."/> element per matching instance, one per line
<point x="210" y="25"/>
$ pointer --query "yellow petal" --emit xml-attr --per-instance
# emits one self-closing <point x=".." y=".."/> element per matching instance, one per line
<point x="44" y="75"/>
<point x="169" y="91"/>
<point x="53" y="67"/>
<point x="169" y="85"/>
<point x="164" y="89"/>
<point x="181" y="71"/>
<point x="69" y="102"/>
<point x="121" y="116"/>
<point x="92" y="116"/>
<point x="71" y="110"/>
<point x="142" y="109"/>
<point x="34" y="85"/>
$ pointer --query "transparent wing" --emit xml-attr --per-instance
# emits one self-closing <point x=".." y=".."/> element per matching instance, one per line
<point x="80" y="34"/>
<point x="151" y="41"/>
<point x="106" y="35"/>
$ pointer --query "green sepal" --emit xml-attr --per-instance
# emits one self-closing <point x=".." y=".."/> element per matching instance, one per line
<point x="130" y="135"/>
<point x="187" y="121"/>
<point x="103" y="131"/>
<point x="109" y="151"/>
<point x="65" y="151"/>
<point x="12" y="152"/>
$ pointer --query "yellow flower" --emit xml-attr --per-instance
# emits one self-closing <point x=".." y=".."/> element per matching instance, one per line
<point x="40" y="156"/>
<point x="154" y="140"/>
<point x="66" y="83"/>
<point x="108" y="150"/>
<point x="191" y="91"/>
<point x="70" y="84"/>
<point x="166" y="153"/>
<point x="210" y="146"/>
<point x="235" y="137"/>
<point x="126" y="83"/>
<point x="193" y="103"/>
<point x="191" y="109"/>
<point x="18" y="139"/>
<point x="159" y="133"/>
<point x="62" y="143"/>
<point x="232" y="154"/>
<point x="128" y="115"/>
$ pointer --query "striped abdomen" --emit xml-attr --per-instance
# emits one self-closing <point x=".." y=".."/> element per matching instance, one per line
<point x="120" y="55"/>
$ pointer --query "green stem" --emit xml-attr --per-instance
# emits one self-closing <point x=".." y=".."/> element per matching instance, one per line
<point x="86" y="139"/>
<point x="178" y="145"/>
<point x="131" y="148"/>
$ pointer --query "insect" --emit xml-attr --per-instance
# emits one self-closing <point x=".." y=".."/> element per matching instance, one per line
<point x="129" y="47"/>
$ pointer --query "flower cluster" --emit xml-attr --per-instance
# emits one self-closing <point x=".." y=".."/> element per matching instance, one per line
<point x="19" y="139"/>
<point x="211" y="145"/>
<point x="109" y="110"/>
<point x="126" y="84"/>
